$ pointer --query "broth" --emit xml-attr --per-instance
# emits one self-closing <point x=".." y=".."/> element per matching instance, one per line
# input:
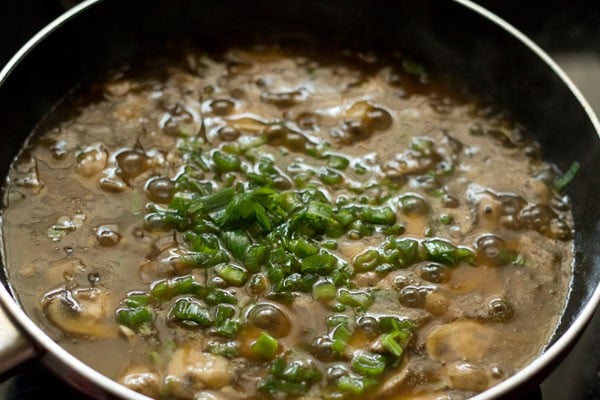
<point x="263" y="223"/>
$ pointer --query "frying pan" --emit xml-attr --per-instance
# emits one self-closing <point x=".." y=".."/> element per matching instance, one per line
<point x="455" y="36"/>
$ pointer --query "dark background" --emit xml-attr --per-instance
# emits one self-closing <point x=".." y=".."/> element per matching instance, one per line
<point x="568" y="30"/>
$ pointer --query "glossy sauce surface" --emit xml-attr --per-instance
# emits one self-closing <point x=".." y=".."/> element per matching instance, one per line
<point x="439" y="223"/>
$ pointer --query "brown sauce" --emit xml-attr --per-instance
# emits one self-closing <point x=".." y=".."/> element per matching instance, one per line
<point x="86" y="230"/>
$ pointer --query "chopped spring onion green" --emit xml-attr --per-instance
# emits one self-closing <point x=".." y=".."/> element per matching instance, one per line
<point x="235" y="275"/>
<point x="324" y="291"/>
<point x="190" y="313"/>
<point x="355" y="298"/>
<point x="265" y="346"/>
<point x="367" y="260"/>
<point x="368" y="364"/>
<point x="562" y="182"/>
<point x="445" y="252"/>
<point x="225" y="162"/>
<point x="134" y="318"/>
<point x="355" y="384"/>
<point x="337" y="162"/>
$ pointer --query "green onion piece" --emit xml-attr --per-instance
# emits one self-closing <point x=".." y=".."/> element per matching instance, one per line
<point x="388" y="341"/>
<point x="185" y="285"/>
<point x="166" y="289"/>
<point x="276" y="387"/>
<point x="232" y="274"/>
<point x="340" y="336"/>
<point x="341" y="275"/>
<point x="409" y="251"/>
<point x="361" y="229"/>
<point x="161" y="290"/>
<point x="227" y="329"/>
<point x="236" y="242"/>
<point x="334" y="320"/>
<point x="303" y="247"/>
<point x="190" y="313"/>
<point x="393" y="324"/>
<point x="265" y="346"/>
<point x="561" y="183"/>
<point x="359" y="169"/>
<point x="355" y="384"/>
<point x="301" y="371"/>
<point x="289" y="380"/>
<point x="329" y="244"/>
<point x="302" y="179"/>
<point x="446" y="219"/>
<point x="259" y="180"/>
<point x="212" y="202"/>
<point x="227" y="349"/>
<point x="255" y="257"/>
<point x="344" y="216"/>
<point x="330" y="177"/>
<point x="337" y="162"/>
<point x="355" y="298"/>
<point x="317" y="218"/>
<point x="165" y="220"/>
<point x="321" y="264"/>
<point x="134" y="318"/>
<point x="441" y="251"/>
<point x="466" y="255"/>
<point x="135" y="300"/>
<point x="378" y="215"/>
<point x="368" y="364"/>
<point x="298" y="282"/>
<point x="324" y="291"/>
<point x="367" y="260"/>
<point x="394" y="230"/>
<point x="223" y="312"/>
<point x="507" y="256"/>
<point x="262" y="218"/>
<point x="219" y="296"/>
<point x="226" y="162"/>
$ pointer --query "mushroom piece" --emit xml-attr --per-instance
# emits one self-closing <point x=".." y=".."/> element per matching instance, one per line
<point x="82" y="311"/>
<point x="192" y="370"/>
<point x="247" y="124"/>
<point x="227" y="393"/>
<point x="467" y="376"/>
<point x="91" y="160"/>
<point x="461" y="340"/>
<point x="412" y="377"/>
<point x="142" y="380"/>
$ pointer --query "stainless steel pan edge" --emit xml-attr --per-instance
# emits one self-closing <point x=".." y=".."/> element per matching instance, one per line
<point x="21" y="339"/>
<point x="568" y="339"/>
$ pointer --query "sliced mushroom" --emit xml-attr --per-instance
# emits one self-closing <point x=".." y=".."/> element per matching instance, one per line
<point x="247" y="124"/>
<point x="461" y="340"/>
<point x="142" y="380"/>
<point x="467" y="376"/>
<point x="82" y="311"/>
<point x="91" y="161"/>
<point x="192" y="370"/>
<point x="412" y="378"/>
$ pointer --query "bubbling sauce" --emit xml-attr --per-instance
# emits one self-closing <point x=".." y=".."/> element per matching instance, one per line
<point x="263" y="223"/>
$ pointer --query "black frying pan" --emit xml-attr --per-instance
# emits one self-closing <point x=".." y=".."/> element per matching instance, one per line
<point x="454" y="36"/>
